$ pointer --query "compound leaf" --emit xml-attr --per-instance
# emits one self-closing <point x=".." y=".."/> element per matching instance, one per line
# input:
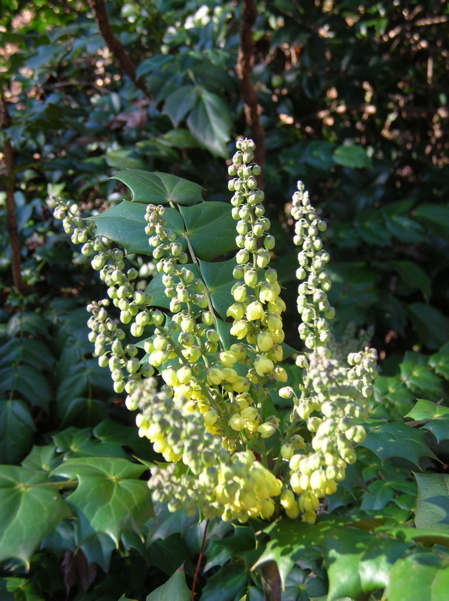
<point x="210" y="228"/>
<point x="23" y="497"/>
<point x="432" y="507"/>
<point x="110" y="498"/>
<point x="174" y="589"/>
<point x="159" y="188"/>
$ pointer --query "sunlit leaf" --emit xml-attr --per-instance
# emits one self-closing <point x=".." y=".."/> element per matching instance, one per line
<point x="159" y="188"/>
<point x="24" y="496"/>
<point x="432" y="509"/>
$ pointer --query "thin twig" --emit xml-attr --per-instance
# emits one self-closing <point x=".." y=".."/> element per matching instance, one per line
<point x="198" y="564"/>
<point x="119" y="52"/>
<point x="11" y="222"/>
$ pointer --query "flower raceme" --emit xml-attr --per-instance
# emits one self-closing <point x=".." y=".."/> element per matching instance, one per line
<point x="230" y="451"/>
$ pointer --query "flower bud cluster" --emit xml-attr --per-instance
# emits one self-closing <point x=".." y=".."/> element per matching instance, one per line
<point x="313" y="304"/>
<point x="80" y="229"/>
<point x="219" y="484"/>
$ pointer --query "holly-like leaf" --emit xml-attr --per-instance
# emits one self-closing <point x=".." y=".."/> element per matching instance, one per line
<point x="125" y="224"/>
<point x="24" y="497"/>
<point x="180" y="102"/>
<point x="210" y="122"/>
<point x="432" y="508"/>
<point x="219" y="280"/>
<point x="358" y="562"/>
<point x="420" y="576"/>
<point x="226" y="585"/>
<point x="27" y="381"/>
<point x="27" y="350"/>
<point x="397" y="440"/>
<point x="290" y="540"/>
<point x="159" y="188"/>
<point x="437" y="416"/>
<point x="16" y="431"/>
<point x="436" y="217"/>
<point x="439" y="362"/>
<point x="110" y="498"/>
<point x="414" y="277"/>
<point x="174" y="589"/>
<point x="352" y="156"/>
<point x="210" y="229"/>
<point x="419" y="378"/>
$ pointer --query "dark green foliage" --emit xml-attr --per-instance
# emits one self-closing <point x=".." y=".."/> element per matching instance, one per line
<point x="354" y="103"/>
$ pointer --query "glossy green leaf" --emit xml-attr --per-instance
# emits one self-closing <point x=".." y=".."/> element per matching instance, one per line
<point x="174" y="589"/>
<point x="439" y="362"/>
<point x="210" y="122"/>
<point x="42" y="458"/>
<point x="397" y="440"/>
<point x="291" y="540"/>
<point x="159" y="188"/>
<point x="109" y="498"/>
<point x="16" y="431"/>
<point x="219" y="280"/>
<point x="436" y="217"/>
<point x="210" y="229"/>
<point x="226" y="584"/>
<point x="125" y="224"/>
<point x="378" y="495"/>
<point x="436" y="416"/>
<point x="179" y="103"/>
<point x="417" y="577"/>
<point x="358" y="562"/>
<point x="75" y="442"/>
<point x="28" y="350"/>
<point x="20" y="589"/>
<point x="32" y="323"/>
<point x="24" y="496"/>
<point x="432" y="508"/>
<point x="27" y="381"/>
<point x="419" y="378"/>
<point x="414" y="277"/>
<point x="351" y="156"/>
<point x="430" y="324"/>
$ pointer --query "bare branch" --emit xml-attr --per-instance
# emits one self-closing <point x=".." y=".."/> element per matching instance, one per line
<point x="245" y="60"/>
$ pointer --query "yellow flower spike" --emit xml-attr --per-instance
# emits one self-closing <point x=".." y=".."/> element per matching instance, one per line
<point x="266" y="430"/>
<point x="236" y="311"/>
<point x="278" y="336"/>
<point x="274" y="322"/>
<point x="295" y="483"/>
<point x="241" y="385"/>
<point x="287" y="499"/>
<point x="267" y="509"/>
<point x="264" y="341"/>
<point x="191" y="354"/>
<point x="240" y="329"/>
<point x="276" y="353"/>
<point x="277" y="307"/>
<point x="210" y="417"/>
<point x="227" y="358"/>
<point x="254" y="311"/>
<point x="250" y="414"/>
<point x="263" y="365"/>
<point x="229" y="375"/>
<point x="331" y="487"/>
<point x="237" y="423"/>
<point x="304" y="481"/>
<point x="185" y="374"/>
<point x="309" y="517"/>
<point x="251" y="337"/>
<point x="239" y="351"/>
<point x="214" y="376"/>
<point x="280" y="375"/>
<point x="268" y="294"/>
<point x="292" y="512"/>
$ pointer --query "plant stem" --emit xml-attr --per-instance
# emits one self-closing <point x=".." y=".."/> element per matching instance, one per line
<point x="198" y="563"/>
<point x="245" y="60"/>
<point x="271" y="582"/>
<point x="11" y="222"/>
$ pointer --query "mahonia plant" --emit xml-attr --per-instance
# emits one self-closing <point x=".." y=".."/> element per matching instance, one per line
<point x="205" y="405"/>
